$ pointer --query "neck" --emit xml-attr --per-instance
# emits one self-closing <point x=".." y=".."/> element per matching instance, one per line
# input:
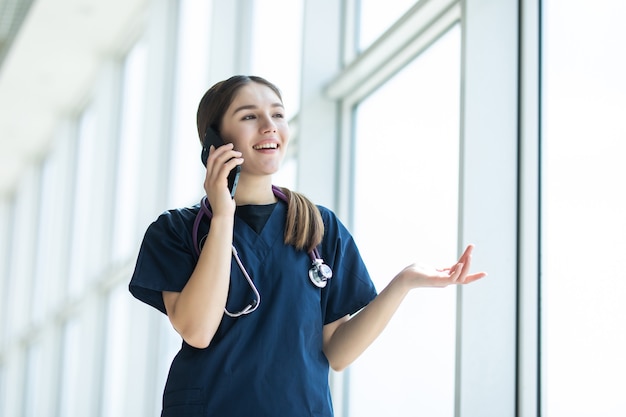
<point x="254" y="190"/>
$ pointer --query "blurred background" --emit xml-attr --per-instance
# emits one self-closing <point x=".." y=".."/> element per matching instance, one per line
<point x="425" y="125"/>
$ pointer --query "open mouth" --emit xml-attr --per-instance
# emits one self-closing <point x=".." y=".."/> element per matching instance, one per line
<point x="265" y="146"/>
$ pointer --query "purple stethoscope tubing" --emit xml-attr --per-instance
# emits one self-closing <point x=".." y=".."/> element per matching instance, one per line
<point x="319" y="273"/>
<point x="206" y="211"/>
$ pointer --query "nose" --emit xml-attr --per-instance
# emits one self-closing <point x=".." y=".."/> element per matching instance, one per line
<point x="268" y="125"/>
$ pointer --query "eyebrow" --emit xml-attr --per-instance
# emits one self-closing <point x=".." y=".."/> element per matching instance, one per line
<point x="253" y="107"/>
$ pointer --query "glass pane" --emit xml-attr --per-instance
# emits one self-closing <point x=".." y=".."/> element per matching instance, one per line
<point x="187" y="172"/>
<point x="116" y="352"/>
<point x="69" y="388"/>
<point x="276" y="47"/>
<point x="23" y="230"/>
<point x="128" y="161"/>
<point x="583" y="224"/>
<point x="82" y="219"/>
<point x="32" y="386"/>
<point x="376" y="16"/>
<point x="53" y="239"/>
<point x="5" y="237"/>
<point x="3" y="390"/>
<point x="405" y="210"/>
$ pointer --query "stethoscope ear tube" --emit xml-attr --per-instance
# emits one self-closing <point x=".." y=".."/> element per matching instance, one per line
<point x="319" y="273"/>
<point x="256" y="302"/>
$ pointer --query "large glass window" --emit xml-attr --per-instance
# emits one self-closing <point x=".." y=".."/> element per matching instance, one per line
<point x="115" y="375"/>
<point x="583" y="224"/>
<point x="85" y="188"/>
<point x="3" y="389"/>
<point x="21" y="267"/>
<point x="53" y="239"/>
<point x="277" y="47"/>
<point x="376" y="16"/>
<point x="32" y="386"/>
<point x="127" y="190"/>
<point x="5" y="256"/>
<point x="405" y="210"/>
<point x="192" y="61"/>
<point x="70" y="388"/>
<point x="276" y="56"/>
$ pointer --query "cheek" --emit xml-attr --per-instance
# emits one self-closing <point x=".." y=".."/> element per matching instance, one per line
<point x="285" y="133"/>
<point x="235" y="136"/>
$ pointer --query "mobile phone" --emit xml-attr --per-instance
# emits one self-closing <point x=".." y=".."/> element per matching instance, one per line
<point x="211" y="137"/>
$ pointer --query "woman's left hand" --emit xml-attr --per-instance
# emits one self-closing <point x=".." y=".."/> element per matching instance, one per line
<point x="346" y="338"/>
<point x="421" y="276"/>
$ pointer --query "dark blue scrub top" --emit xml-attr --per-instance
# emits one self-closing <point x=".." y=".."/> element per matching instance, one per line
<point x="270" y="362"/>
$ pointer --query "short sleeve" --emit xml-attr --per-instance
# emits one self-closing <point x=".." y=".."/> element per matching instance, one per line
<point x="351" y="288"/>
<point x="166" y="258"/>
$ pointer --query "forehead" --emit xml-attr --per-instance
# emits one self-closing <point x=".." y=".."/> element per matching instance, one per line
<point x="254" y="94"/>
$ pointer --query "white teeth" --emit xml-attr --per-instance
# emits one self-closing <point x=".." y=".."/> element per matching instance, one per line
<point x="266" y="146"/>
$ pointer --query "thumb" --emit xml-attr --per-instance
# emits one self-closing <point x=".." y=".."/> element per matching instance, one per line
<point x="458" y="269"/>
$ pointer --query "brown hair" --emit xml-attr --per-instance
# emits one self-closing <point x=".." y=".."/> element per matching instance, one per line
<point x="304" y="227"/>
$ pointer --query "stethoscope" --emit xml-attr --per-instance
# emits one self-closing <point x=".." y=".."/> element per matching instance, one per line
<point x="319" y="273"/>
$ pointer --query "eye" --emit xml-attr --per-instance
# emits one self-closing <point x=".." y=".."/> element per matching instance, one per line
<point x="279" y="115"/>
<point x="248" y="117"/>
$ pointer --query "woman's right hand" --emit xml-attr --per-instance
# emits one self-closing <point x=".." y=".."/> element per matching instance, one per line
<point x="197" y="310"/>
<point x="219" y="164"/>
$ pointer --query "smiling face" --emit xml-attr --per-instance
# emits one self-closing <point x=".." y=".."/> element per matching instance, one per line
<point x="255" y="123"/>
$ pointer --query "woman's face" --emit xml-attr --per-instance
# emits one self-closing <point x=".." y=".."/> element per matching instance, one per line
<point x="255" y="123"/>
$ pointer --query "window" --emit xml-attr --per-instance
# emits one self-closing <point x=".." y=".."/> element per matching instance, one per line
<point x="127" y="190"/>
<point x="32" y="386"/>
<point x="583" y="240"/>
<point x="405" y="210"/>
<point x="116" y="353"/>
<point x="70" y="371"/>
<point x="53" y="240"/>
<point x="277" y="47"/>
<point x="191" y="81"/>
<point x="375" y="17"/>
<point x="81" y="238"/>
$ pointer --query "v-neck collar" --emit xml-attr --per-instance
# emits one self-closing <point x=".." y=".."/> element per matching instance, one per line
<point x="260" y="243"/>
<point x="255" y="215"/>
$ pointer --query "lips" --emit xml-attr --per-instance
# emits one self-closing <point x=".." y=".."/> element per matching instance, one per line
<point x="265" y="145"/>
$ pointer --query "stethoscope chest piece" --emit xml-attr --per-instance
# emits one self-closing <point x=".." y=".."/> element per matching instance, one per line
<point x="320" y="273"/>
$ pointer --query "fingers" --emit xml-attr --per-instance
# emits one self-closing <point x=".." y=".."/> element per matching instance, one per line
<point x="462" y="275"/>
<point x="465" y="277"/>
<point x="457" y="271"/>
<point x="466" y="253"/>
<point x="222" y="155"/>
<point x="457" y="274"/>
<point x="221" y="161"/>
<point x="474" y="277"/>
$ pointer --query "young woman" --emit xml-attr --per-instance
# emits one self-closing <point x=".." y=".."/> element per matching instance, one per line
<point x="246" y="281"/>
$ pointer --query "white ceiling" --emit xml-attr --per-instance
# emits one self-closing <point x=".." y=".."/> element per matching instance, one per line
<point x="48" y="71"/>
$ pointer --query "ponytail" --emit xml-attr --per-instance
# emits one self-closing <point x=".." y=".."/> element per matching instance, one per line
<point x="304" y="227"/>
